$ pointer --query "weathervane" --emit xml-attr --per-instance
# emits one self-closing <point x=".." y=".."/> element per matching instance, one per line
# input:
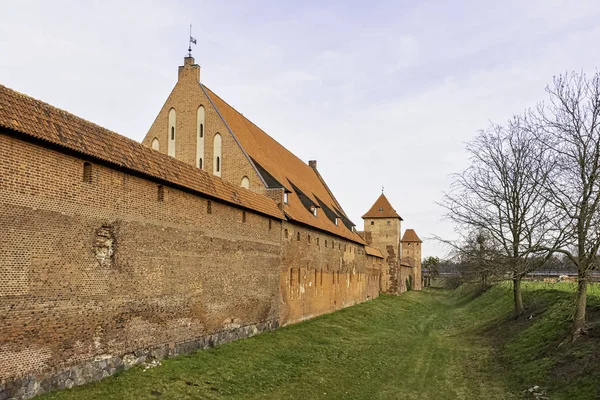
<point x="192" y="40"/>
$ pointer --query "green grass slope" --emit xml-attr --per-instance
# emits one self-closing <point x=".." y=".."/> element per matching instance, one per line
<point x="433" y="344"/>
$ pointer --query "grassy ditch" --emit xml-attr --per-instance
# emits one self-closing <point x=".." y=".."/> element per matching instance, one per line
<point x="433" y="344"/>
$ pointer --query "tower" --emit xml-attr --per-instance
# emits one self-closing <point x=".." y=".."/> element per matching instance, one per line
<point x="382" y="226"/>
<point x="411" y="255"/>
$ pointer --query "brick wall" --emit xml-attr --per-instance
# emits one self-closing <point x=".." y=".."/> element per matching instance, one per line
<point x="384" y="234"/>
<point x="105" y="268"/>
<point x="412" y="250"/>
<point x="323" y="273"/>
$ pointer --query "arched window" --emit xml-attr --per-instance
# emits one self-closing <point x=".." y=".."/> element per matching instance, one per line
<point x="245" y="182"/>
<point x="217" y="163"/>
<point x="200" y="139"/>
<point x="155" y="144"/>
<point x="172" y="124"/>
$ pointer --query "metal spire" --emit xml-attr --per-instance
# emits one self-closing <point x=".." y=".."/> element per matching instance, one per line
<point x="192" y="40"/>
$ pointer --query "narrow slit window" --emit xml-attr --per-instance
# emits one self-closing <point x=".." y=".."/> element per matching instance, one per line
<point x="87" y="172"/>
<point x="308" y="239"/>
<point x="209" y="207"/>
<point x="218" y="164"/>
<point x="201" y="130"/>
<point x="161" y="193"/>
<point x="200" y="163"/>
<point x="298" y="236"/>
<point x="243" y="216"/>
<point x="318" y="242"/>
<point x="270" y="224"/>
<point x="172" y="133"/>
<point x="326" y="243"/>
<point x="286" y="233"/>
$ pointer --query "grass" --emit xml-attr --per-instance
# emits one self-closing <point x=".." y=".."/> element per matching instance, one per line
<point x="433" y="344"/>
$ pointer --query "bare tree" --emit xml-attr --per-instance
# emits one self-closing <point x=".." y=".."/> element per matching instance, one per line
<point x="500" y="195"/>
<point x="479" y="256"/>
<point x="569" y="129"/>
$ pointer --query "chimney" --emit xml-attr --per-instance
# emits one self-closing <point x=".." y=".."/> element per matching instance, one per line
<point x="189" y="70"/>
<point x="313" y="164"/>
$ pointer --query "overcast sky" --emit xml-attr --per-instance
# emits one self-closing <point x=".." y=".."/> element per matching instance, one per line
<point x="379" y="92"/>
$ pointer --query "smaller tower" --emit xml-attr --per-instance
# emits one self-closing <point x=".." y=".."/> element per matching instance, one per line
<point x="411" y="255"/>
<point x="382" y="227"/>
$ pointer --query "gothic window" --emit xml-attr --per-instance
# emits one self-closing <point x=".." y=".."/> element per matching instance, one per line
<point x="217" y="166"/>
<point x="172" y="124"/>
<point x="200" y="140"/>
<point x="245" y="182"/>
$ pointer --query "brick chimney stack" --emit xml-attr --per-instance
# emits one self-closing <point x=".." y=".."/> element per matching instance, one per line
<point x="189" y="69"/>
<point x="312" y="164"/>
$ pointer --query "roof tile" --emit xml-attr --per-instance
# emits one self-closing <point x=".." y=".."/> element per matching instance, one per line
<point x="34" y="118"/>
<point x="382" y="209"/>
<point x="287" y="169"/>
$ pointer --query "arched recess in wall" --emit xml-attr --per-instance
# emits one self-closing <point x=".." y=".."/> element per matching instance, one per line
<point x="171" y="133"/>
<point x="155" y="144"/>
<point x="217" y="156"/>
<point x="200" y="138"/>
<point x="245" y="182"/>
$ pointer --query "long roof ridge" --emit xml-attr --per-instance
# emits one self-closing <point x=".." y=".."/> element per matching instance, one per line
<point x="247" y="119"/>
<point x="65" y="112"/>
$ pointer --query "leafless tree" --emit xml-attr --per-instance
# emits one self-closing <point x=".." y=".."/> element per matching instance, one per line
<point x="500" y="195"/>
<point x="568" y="128"/>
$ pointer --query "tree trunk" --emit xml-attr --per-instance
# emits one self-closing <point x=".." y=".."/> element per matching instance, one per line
<point x="580" y="304"/>
<point x="519" y="310"/>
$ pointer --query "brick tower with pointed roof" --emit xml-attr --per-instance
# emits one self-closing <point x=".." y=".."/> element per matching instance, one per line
<point x="382" y="227"/>
<point x="411" y="255"/>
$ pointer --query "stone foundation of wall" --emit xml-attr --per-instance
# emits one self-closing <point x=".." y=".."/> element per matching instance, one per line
<point x="107" y="365"/>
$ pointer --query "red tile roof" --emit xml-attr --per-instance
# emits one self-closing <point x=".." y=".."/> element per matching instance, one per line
<point x="33" y="118"/>
<point x="411" y="236"/>
<point x="382" y="209"/>
<point x="288" y="170"/>
<point x="372" y="251"/>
